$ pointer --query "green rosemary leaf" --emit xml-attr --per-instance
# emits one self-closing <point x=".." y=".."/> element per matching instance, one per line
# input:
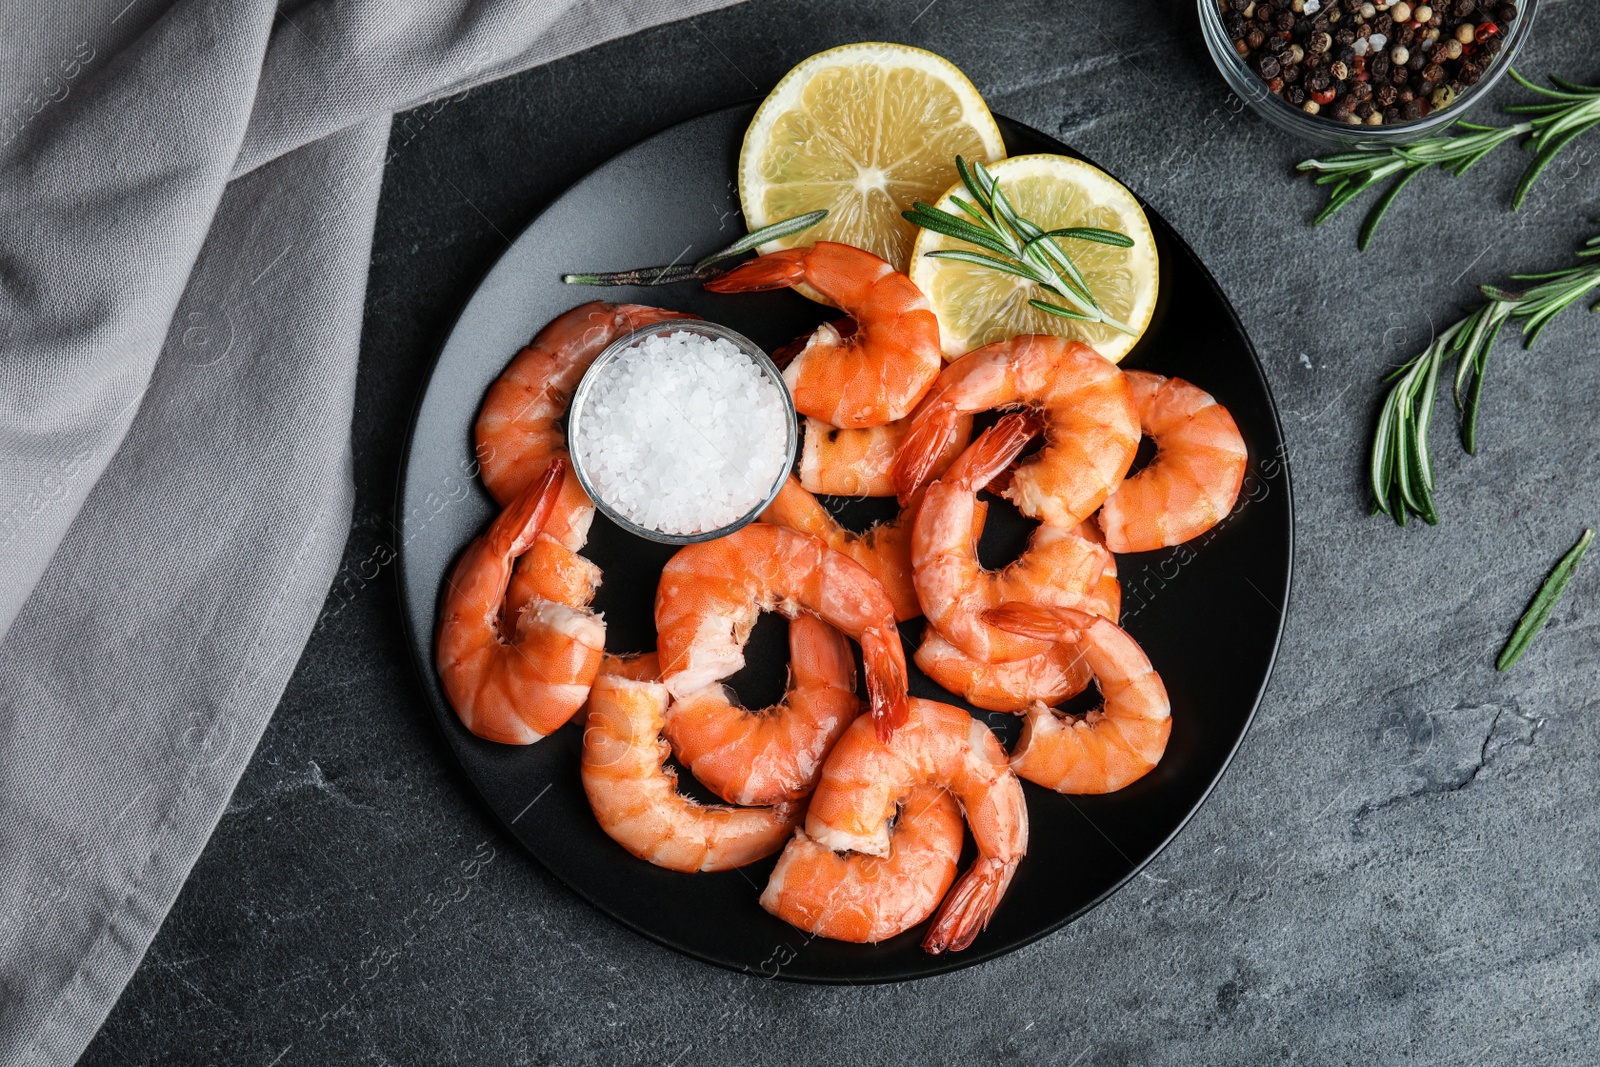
<point x="1381" y="208"/>
<point x="1057" y="309"/>
<point x="1546" y="276"/>
<point x="1542" y="160"/>
<point x="1463" y="367"/>
<point x="1338" y="199"/>
<point x="1565" y="90"/>
<point x="1020" y="270"/>
<point x="1008" y="214"/>
<point x="1379" y="470"/>
<point x="783" y="228"/>
<point x="1092" y="233"/>
<point x="1331" y="178"/>
<point x="1517" y="76"/>
<point x="1575" y="88"/>
<point x="1424" y="423"/>
<point x="971" y="182"/>
<point x="1544" y="602"/>
<point x="942" y="222"/>
<point x="978" y="216"/>
<point x="1469" y="411"/>
<point x="1477" y="358"/>
<point x="1530" y="109"/>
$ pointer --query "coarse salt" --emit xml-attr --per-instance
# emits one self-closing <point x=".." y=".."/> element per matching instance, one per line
<point x="683" y="433"/>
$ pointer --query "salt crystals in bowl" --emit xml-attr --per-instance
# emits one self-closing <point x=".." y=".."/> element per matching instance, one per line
<point x="682" y="431"/>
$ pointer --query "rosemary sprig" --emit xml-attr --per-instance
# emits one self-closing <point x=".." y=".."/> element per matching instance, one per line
<point x="704" y="269"/>
<point x="1401" y="471"/>
<point x="1544" y="602"/>
<point x="1567" y="111"/>
<point x="1015" y="245"/>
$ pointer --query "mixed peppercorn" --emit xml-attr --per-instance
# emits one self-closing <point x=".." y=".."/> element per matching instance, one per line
<point x="1368" y="61"/>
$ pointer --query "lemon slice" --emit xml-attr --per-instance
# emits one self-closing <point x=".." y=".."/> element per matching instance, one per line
<point x="978" y="306"/>
<point x="862" y="130"/>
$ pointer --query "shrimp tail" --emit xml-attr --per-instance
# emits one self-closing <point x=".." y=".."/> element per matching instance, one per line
<point x="995" y="449"/>
<point x="1058" y="624"/>
<point x="884" y="659"/>
<point x="967" y="909"/>
<point x="778" y="270"/>
<point x="514" y="532"/>
<point x="932" y="429"/>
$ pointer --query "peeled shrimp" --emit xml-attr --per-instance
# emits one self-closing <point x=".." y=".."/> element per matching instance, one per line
<point x="518" y="688"/>
<point x="550" y="571"/>
<point x="865" y="780"/>
<point x="1060" y="566"/>
<point x="871" y="370"/>
<point x="1117" y="743"/>
<point x="1091" y="427"/>
<point x="635" y="797"/>
<point x="884" y="550"/>
<point x="1050" y="677"/>
<point x="859" y="462"/>
<point x="519" y="426"/>
<point x="711" y="594"/>
<point x="1194" y="479"/>
<point x="764" y="757"/>
<point x="855" y="897"/>
<point x="640" y="667"/>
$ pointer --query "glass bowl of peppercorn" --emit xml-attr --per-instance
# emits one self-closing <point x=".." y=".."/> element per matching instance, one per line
<point x="1364" y="72"/>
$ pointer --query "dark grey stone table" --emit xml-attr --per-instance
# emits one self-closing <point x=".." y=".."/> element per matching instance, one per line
<point x="1401" y="864"/>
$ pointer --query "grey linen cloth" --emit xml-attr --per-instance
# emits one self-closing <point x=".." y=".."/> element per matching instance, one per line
<point x="187" y="192"/>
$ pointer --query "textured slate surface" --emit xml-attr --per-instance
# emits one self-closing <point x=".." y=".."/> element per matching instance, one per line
<point x="1400" y="865"/>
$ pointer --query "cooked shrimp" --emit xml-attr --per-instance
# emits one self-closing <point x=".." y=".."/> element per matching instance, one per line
<point x="1059" y="566"/>
<point x="1091" y="427"/>
<point x="764" y="757"/>
<point x="884" y="550"/>
<point x="865" y="779"/>
<point x="514" y="689"/>
<point x="870" y="370"/>
<point x="519" y="426"/>
<point x="635" y="795"/>
<point x="1050" y="677"/>
<point x="1194" y="479"/>
<point x="550" y="571"/>
<point x="711" y="594"/>
<point x="859" y="462"/>
<point x="856" y="897"/>
<point x="639" y="667"/>
<point x="1117" y="743"/>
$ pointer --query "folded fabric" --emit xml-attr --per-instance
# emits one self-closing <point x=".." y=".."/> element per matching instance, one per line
<point x="187" y="193"/>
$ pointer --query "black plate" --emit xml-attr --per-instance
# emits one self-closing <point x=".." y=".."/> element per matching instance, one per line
<point x="1209" y="614"/>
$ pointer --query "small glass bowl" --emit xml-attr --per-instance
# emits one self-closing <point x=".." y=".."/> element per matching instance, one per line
<point x="611" y="353"/>
<point x="1285" y="116"/>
